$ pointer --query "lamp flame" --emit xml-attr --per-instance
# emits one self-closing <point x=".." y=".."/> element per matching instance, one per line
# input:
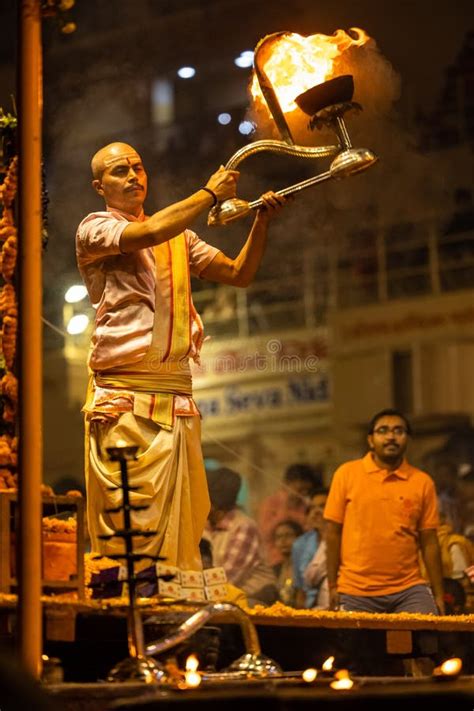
<point x="309" y="675"/>
<point x="191" y="675"/>
<point x="192" y="663"/>
<point x="449" y="668"/>
<point x="342" y="684"/>
<point x="295" y="64"/>
<point x="342" y="680"/>
<point x="328" y="664"/>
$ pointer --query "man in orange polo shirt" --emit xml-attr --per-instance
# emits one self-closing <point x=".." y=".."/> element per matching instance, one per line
<point x="381" y="512"/>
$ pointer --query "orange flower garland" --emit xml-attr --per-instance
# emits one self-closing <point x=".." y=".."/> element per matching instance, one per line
<point x="8" y="258"/>
<point x="8" y="329"/>
<point x="9" y="186"/>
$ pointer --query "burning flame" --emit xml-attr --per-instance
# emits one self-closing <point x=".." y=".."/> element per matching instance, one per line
<point x="449" y="668"/>
<point x="192" y="663"/>
<point x="342" y="684"/>
<point x="295" y="63"/>
<point x="328" y="664"/>
<point x="309" y="675"/>
<point x="342" y="680"/>
<point x="191" y="675"/>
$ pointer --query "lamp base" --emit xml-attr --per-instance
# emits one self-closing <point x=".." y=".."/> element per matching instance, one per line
<point x="255" y="665"/>
<point x="136" y="669"/>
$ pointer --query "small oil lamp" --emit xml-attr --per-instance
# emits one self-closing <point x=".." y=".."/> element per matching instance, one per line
<point x="342" y="681"/>
<point x="309" y="675"/>
<point x="192" y="677"/>
<point x="327" y="670"/>
<point x="449" y="669"/>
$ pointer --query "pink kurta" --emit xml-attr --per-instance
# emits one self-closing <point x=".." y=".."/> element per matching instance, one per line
<point x="124" y="290"/>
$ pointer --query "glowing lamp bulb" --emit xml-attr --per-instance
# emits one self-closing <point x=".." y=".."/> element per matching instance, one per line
<point x="246" y="127"/>
<point x="245" y="59"/>
<point x="77" y="324"/>
<point x="309" y="675"/>
<point x="186" y="72"/>
<point x="224" y="118"/>
<point x="75" y="293"/>
<point x="328" y="664"/>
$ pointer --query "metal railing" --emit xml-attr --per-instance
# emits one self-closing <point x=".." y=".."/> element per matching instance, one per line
<point x="416" y="259"/>
<point x="425" y="261"/>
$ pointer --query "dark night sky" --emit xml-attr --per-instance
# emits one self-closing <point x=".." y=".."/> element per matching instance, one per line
<point x="421" y="38"/>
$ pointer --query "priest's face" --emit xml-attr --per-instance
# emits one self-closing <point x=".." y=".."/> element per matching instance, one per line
<point x="120" y="178"/>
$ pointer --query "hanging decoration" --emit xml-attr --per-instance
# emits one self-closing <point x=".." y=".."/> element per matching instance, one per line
<point x="8" y="303"/>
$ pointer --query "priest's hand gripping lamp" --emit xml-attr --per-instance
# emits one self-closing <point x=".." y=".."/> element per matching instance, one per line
<point x="325" y="104"/>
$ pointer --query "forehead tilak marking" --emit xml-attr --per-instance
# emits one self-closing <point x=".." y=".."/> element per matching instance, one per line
<point x="125" y="156"/>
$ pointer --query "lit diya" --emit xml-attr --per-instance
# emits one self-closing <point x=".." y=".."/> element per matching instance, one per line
<point x="448" y="670"/>
<point x="192" y="677"/>
<point x="342" y="681"/>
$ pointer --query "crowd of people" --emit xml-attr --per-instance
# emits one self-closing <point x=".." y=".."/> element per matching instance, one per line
<point x="380" y="539"/>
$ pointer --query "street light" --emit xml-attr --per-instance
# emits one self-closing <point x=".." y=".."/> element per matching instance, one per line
<point x="75" y="293"/>
<point x="77" y="324"/>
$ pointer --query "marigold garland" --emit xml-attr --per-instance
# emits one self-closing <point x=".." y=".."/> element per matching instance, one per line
<point x="8" y="328"/>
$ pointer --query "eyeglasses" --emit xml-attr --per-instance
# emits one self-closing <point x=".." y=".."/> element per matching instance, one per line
<point x="398" y="431"/>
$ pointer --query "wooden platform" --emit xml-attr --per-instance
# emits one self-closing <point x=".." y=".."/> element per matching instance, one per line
<point x="369" y="694"/>
<point x="89" y="636"/>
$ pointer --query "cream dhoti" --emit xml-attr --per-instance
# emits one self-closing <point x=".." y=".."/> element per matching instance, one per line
<point x="171" y="481"/>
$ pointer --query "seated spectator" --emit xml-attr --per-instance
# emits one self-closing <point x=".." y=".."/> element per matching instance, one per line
<point x="304" y="550"/>
<point x="284" y="536"/>
<point x="454" y="597"/>
<point x="290" y="501"/>
<point x="456" y="550"/>
<point x="235" y="540"/>
<point x="456" y="557"/>
<point x="316" y="574"/>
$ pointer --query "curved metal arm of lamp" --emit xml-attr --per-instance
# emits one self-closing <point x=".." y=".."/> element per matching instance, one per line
<point x="199" y="619"/>
<point x="346" y="163"/>
<point x="235" y="208"/>
<point x="252" y="664"/>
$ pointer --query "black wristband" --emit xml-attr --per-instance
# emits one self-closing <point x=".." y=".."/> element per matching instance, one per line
<point x="214" y="196"/>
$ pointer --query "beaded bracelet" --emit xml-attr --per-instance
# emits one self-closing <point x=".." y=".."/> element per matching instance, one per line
<point x="211" y="192"/>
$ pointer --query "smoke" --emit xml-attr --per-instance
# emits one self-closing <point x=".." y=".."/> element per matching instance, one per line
<point x="405" y="184"/>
